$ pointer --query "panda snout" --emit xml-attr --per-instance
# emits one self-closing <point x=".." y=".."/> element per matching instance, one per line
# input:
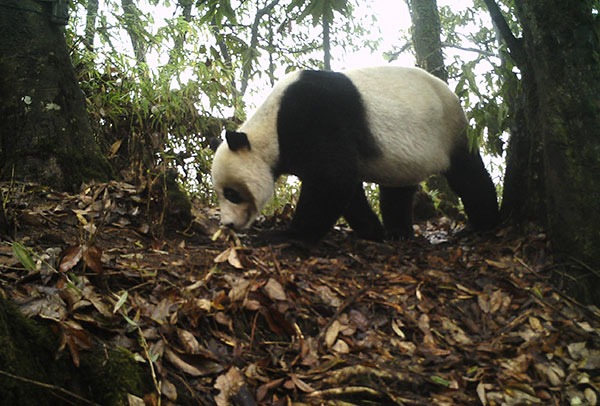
<point x="229" y="225"/>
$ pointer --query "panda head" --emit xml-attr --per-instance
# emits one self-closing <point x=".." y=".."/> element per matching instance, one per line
<point x="244" y="182"/>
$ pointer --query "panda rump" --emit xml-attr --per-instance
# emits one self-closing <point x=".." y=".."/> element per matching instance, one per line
<point x="392" y="126"/>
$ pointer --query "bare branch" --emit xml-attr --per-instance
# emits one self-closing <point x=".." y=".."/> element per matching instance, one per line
<point x="469" y="49"/>
<point x="513" y="43"/>
<point x="254" y="39"/>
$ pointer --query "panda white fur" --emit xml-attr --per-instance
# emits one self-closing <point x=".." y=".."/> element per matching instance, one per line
<point x="389" y="125"/>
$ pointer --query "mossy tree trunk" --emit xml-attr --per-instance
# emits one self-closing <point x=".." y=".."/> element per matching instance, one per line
<point x="45" y="135"/>
<point x="426" y="32"/>
<point x="559" y="59"/>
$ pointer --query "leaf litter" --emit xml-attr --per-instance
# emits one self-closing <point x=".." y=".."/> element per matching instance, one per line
<point x="466" y="321"/>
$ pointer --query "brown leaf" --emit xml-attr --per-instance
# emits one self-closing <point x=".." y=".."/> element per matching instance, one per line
<point x="239" y="290"/>
<point x="277" y="322"/>
<point x="223" y="256"/>
<point x="231" y="256"/>
<point x="200" y="367"/>
<point x="93" y="258"/>
<point x="274" y="290"/>
<point x="189" y="342"/>
<point x="341" y="347"/>
<point x="263" y="389"/>
<point x="300" y="384"/>
<point x="481" y="393"/>
<point x="70" y="257"/>
<point x="114" y="148"/>
<point x="332" y="333"/>
<point x="229" y="384"/>
<point x="234" y="259"/>
<point x="169" y="390"/>
<point x="161" y="311"/>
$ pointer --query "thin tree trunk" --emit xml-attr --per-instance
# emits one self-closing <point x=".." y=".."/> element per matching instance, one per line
<point x="90" y="24"/>
<point x="45" y="134"/>
<point x="176" y="52"/>
<point x="326" y="45"/>
<point x="426" y="31"/>
<point x="130" y="15"/>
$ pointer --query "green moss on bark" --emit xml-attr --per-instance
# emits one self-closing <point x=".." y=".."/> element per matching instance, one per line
<point x="28" y="350"/>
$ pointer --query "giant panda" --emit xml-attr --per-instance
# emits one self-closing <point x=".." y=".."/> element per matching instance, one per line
<point x="393" y="126"/>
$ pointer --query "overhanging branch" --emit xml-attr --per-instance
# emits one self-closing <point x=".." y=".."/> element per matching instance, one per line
<point x="513" y="43"/>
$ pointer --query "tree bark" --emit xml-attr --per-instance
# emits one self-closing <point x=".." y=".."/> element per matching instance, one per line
<point x="524" y="194"/>
<point x="426" y="31"/>
<point x="130" y="15"/>
<point x="560" y="66"/>
<point x="326" y="45"/>
<point x="31" y="374"/>
<point x="562" y="40"/>
<point x="45" y="135"/>
<point x="90" y="24"/>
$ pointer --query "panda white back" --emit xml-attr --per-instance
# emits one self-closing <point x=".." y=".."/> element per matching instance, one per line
<point x="415" y="119"/>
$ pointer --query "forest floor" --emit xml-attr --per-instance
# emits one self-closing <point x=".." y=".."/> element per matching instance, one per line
<point x="438" y="320"/>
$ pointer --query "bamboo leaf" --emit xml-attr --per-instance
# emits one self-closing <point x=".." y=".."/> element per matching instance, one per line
<point x="24" y="255"/>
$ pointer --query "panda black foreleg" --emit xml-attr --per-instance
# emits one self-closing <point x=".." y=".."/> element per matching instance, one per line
<point x="321" y="203"/>
<point x="396" y="204"/>
<point x="361" y="218"/>
<point x="469" y="179"/>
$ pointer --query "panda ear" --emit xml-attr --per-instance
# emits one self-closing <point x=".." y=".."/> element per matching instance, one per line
<point x="237" y="140"/>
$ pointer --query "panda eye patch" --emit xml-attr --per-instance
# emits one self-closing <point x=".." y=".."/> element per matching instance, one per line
<point x="232" y="195"/>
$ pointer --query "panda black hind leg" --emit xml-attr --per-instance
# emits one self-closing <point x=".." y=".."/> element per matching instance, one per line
<point x="396" y="204"/>
<point x="361" y="218"/>
<point x="469" y="179"/>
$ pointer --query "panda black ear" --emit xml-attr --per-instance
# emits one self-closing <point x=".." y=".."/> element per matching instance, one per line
<point x="237" y="140"/>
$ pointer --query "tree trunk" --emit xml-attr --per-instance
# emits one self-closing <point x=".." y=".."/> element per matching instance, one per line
<point x="524" y="194"/>
<point x="428" y="51"/>
<point x="45" y="135"/>
<point x="561" y="38"/>
<point x="90" y="24"/>
<point x="560" y="65"/>
<point x="426" y="31"/>
<point x="326" y="45"/>
<point x="176" y="52"/>
<point x="131" y="17"/>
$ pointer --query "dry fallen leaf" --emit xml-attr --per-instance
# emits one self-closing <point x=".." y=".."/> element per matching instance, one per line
<point x="93" y="258"/>
<point x="70" y="257"/>
<point x="229" y="384"/>
<point x="274" y="290"/>
<point x="332" y="333"/>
